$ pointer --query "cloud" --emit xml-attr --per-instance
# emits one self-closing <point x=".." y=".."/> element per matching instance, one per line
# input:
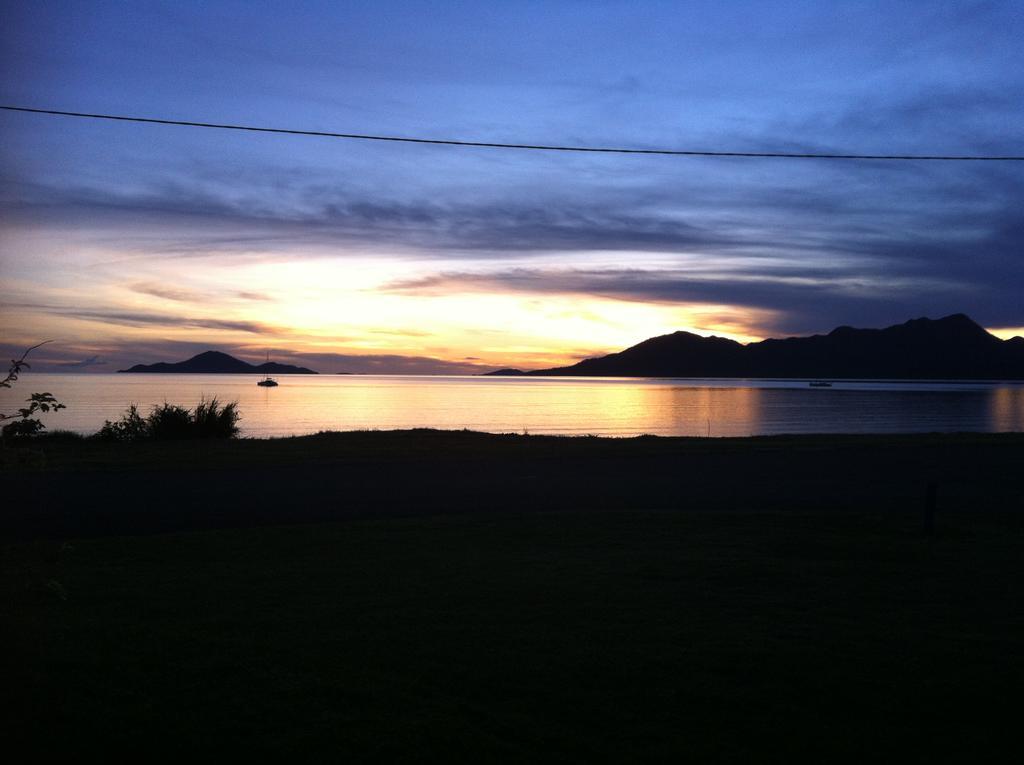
<point x="798" y="302"/>
<point x="149" y="319"/>
<point x="92" y="361"/>
<point x="176" y="220"/>
<point x="167" y="293"/>
<point x="401" y="332"/>
<point x="177" y="294"/>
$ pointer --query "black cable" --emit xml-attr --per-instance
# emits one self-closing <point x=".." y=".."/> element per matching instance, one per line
<point x="533" y="147"/>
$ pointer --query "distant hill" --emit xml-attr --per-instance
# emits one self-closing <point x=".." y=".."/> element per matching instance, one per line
<point x="215" y="362"/>
<point x="951" y="348"/>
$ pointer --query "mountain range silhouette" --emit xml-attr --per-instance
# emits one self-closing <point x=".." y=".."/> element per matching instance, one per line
<point x="215" y="362"/>
<point x="952" y="348"/>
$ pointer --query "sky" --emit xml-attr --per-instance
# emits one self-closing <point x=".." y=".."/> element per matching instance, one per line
<point x="129" y="243"/>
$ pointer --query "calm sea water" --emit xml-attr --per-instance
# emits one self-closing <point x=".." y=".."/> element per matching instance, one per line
<point x="600" y="406"/>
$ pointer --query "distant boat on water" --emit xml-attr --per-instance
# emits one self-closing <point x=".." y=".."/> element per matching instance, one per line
<point x="819" y="384"/>
<point x="267" y="381"/>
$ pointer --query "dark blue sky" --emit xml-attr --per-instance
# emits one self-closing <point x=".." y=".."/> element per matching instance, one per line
<point x="120" y="237"/>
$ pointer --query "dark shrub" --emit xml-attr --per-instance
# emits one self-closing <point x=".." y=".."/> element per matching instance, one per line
<point x="170" y="422"/>
<point x="212" y="420"/>
<point x="22" y="428"/>
<point x="57" y="436"/>
<point x="131" y="427"/>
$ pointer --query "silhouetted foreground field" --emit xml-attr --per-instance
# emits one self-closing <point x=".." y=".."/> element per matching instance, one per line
<point x="458" y="596"/>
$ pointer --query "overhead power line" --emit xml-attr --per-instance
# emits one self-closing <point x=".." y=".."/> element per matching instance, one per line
<point x="526" y="146"/>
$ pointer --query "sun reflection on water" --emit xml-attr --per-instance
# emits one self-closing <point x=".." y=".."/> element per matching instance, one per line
<point x="577" y="406"/>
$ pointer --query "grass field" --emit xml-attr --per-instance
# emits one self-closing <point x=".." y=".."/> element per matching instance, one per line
<point x="807" y="626"/>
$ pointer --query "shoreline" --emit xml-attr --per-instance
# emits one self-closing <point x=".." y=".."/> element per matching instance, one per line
<point x="89" y="487"/>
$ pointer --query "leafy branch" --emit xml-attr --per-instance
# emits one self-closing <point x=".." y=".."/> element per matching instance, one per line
<point x="24" y="423"/>
<point x="17" y="365"/>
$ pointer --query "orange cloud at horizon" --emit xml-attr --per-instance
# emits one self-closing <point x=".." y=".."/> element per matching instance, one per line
<point x="344" y="306"/>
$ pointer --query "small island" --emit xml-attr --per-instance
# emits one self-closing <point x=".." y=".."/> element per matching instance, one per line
<point x="217" y="363"/>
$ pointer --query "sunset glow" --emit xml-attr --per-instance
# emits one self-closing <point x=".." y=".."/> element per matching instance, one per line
<point x="129" y="243"/>
<point x="345" y="303"/>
